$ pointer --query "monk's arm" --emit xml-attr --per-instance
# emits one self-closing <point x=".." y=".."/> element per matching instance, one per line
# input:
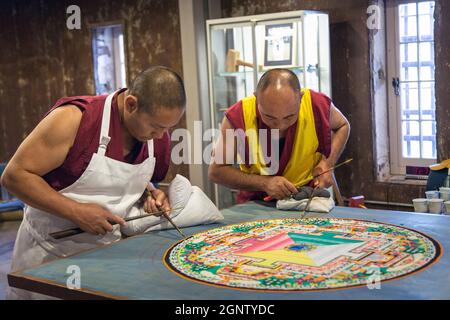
<point x="231" y="177"/>
<point x="340" y="132"/>
<point x="42" y="151"/>
<point x="222" y="172"/>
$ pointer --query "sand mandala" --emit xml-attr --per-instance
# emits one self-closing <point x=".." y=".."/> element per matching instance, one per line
<point x="302" y="254"/>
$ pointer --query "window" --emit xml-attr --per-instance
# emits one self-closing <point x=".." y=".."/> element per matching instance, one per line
<point x="109" y="58"/>
<point x="412" y="105"/>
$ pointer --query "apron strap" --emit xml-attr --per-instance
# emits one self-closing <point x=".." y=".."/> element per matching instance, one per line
<point x="104" y="132"/>
<point x="150" y="148"/>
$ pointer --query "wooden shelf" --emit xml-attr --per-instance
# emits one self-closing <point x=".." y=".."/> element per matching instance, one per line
<point x="310" y="69"/>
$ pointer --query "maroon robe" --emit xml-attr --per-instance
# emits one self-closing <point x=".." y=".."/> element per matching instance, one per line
<point x="87" y="141"/>
<point x="321" y="108"/>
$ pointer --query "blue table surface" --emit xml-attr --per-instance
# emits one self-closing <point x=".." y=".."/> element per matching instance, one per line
<point x="133" y="268"/>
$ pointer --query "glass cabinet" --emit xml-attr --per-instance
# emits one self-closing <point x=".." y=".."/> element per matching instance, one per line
<point x="241" y="49"/>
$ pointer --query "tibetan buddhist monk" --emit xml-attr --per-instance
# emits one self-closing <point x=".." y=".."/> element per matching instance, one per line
<point x="88" y="162"/>
<point x="308" y="131"/>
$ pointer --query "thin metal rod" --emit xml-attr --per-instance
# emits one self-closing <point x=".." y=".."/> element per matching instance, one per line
<point x="336" y="166"/>
<point x="269" y="198"/>
<point x="309" y="202"/>
<point x="164" y="213"/>
<point x="173" y="224"/>
<point x="74" y="231"/>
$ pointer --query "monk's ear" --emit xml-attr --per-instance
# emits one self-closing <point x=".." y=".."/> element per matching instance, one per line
<point x="130" y="103"/>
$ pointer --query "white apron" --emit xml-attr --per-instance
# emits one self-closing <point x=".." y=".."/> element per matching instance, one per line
<point x="112" y="184"/>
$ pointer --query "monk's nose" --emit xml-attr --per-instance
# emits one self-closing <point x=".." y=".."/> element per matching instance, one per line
<point x="160" y="133"/>
<point x="278" y="124"/>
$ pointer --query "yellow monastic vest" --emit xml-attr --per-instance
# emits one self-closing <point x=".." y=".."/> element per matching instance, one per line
<point x="304" y="157"/>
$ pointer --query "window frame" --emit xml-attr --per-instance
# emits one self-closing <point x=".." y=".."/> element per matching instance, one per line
<point x="107" y="24"/>
<point x="397" y="161"/>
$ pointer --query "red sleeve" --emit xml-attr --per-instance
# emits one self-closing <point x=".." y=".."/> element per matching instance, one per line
<point x="80" y="102"/>
<point x="321" y="108"/>
<point x="235" y="116"/>
<point x="85" y="143"/>
<point x="162" y="157"/>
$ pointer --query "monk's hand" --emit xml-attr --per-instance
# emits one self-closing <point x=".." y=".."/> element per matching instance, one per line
<point x="279" y="187"/>
<point x="156" y="201"/>
<point x="95" y="219"/>
<point x="326" y="179"/>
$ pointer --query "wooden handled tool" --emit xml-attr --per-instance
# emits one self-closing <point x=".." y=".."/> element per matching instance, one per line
<point x="74" y="231"/>
<point x="269" y="198"/>
<point x="233" y="61"/>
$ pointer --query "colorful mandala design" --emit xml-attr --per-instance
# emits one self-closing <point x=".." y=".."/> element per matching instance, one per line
<point x="302" y="254"/>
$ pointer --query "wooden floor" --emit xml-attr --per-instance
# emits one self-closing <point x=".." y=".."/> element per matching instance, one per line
<point x="8" y="232"/>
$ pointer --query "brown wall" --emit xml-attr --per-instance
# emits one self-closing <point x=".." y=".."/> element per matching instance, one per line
<point x="41" y="60"/>
<point x="351" y="74"/>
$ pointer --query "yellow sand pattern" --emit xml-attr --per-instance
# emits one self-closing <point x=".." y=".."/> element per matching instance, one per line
<point x="281" y="255"/>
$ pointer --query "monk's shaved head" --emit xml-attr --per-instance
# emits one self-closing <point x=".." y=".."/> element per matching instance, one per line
<point x="158" y="87"/>
<point x="278" y="98"/>
<point x="278" y="78"/>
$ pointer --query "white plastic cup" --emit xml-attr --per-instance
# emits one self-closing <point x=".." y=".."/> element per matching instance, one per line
<point x="420" y="205"/>
<point x="444" y="195"/>
<point x="435" y="205"/>
<point x="432" y="194"/>
<point x="444" y="189"/>
<point x="447" y="207"/>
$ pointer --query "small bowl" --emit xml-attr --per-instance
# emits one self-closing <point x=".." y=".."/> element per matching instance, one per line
<point x="432" y="194"/>
<point x="420" y="205"/>
<point x="447" y="207"/>
<point x="444" y="195"/>
<point x="435" y="205"/>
